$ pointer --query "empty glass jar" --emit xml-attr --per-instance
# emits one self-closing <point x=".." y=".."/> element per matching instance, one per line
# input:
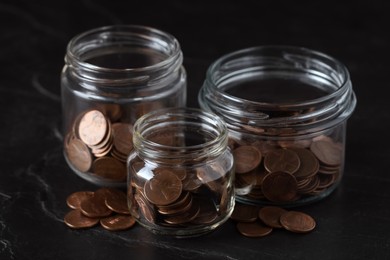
<point x="112" y="76"/>
<point x="180" y="172"/>
<point x="286" y="109"/>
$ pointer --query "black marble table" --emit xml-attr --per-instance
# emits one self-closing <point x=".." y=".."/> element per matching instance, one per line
<point x="352" y="223"/>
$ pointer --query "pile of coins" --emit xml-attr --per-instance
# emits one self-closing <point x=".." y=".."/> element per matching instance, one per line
<point x="255" y="222"/>
<point x="106" y="206"/>
<point x="172" y="197"/>
<point x="98" y="145"/>
<point x="284" y="172"/>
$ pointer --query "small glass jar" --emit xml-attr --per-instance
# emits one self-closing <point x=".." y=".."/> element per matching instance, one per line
<point x="286" y="110"/>
<point x="180" y="180"/>
<point x="112" y="76"/>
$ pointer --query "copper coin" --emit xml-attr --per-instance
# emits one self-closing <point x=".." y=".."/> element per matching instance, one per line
<point x="145" y="208"/>
<point x="185" y="217"/>
<point x="163" y="189"/>
<point x="244" y="213"/>
<point x="181" y="173"/>
<point x="279" y="187"/>
<point x="191" y="182"/>
<point x="284" y="160"/>
<point x="309" y="164"/>
<point x="207" y="213"/>
<point x="253" y="229"/>
<point x="75" y="219"/>
<point x="116" y="200"/>
<point x="117" y="222"/>
<point x="270" y="215"/>
<point x="79" y="155"/>
<point x="109" y="168"/>
<point x="246" y="158"/>
<point x="327" y="152"/>
<point x="74" y="200"/>
<point x="94" y="207"/>
<point x="297" y="222"/>
<point x="92" y="127"/>
<point x="123" y="138"/>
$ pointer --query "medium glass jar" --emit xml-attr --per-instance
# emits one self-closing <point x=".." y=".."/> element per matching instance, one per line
<point x="286" y="110"/>
<point x="180" y="179"/>
<point x="112" y="76"/>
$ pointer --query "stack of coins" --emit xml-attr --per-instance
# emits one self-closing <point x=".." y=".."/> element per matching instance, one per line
<point x="255" y="222"/>
<point x="286" y="171"/>
<point x="106" y="206"/>
<point x="172" y="197"/>
<point x="98" y="145"/>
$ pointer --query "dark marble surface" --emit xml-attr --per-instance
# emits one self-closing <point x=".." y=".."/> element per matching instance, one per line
<point x="353" y="223"/>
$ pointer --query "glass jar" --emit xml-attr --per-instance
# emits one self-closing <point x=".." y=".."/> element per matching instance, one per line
<point x="286" y="110"/>
<point x="112" y="76"/>
<point x="180" y="179"/>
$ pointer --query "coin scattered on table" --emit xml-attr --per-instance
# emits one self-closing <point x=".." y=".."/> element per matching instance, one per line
<point x="107" y="206"/>
<point x="270" y="217"/>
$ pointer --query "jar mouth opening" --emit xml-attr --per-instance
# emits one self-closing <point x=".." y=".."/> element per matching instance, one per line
<point x="163" y="46"/>
<point x="174" y="133"/>
<point x="263" y="61"/>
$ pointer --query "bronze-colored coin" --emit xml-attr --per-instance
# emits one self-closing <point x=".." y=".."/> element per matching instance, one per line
<point x="326" y="181"/>
<point x="116" y="201"/>
<point x="185" y="217"/>
<point x="246" y="158"/>
<point x="279" y="187"/>
<point x="123" y="138"/>
<point x="75" y="219"/>
<point x="297" y="222"/>
<point x="117" y="222"/>
<point x="284" y="160"/>
<point x="92" y="127"/>
<point x="244" y="213"/>
<point x="74" y="200"/>
<point x="191" y="182"/>
<point x="109" y="168"/>
<point x="181" y="173"/>
<point x="79" y="155"/>
<point x="327" y="152"/>
<point x="94" y="207"/>
<point x="309" y="164"/>
<point x="207" y="213"/>
<point x="270" y="215"/>
<point x="182" y="204"/>
<point x="253" y="229"/>
<point x="310" y="186"/>
<point x="163" y="189"/>
<point x="145" y="208"/>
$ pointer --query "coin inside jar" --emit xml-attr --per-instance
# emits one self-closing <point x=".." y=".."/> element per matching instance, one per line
<point x="282" y="160"/>
<point x="279" y="187"/>
<point x="246" y="158"/>
<point x="79" y="155"/>
<point x="163" y="189"/>
<point x="92" y="127"/>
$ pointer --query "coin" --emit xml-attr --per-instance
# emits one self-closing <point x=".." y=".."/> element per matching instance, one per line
<point x="191" y="183"/>
<point x="75" y="219"/>
<point x="181" y="173"/>
<point x="270" y="215"/>
<point x="145" y="208"/>
<point x="309" y="164"/>
<point x="244" y="213"/>
<point x="297" y="222"/>
<point x="109" y="168"/>
<point x="79" y="155"/>
<point x="327" y="152"/>
<point x="279" y="187"/>
<point x="74" y="200"/>
<point x="116" y="201"/>
<point x="253" y="229"/>
<point x="185" y="217"/>
<point x="117" y="222"/>
<point x="207" y="213"/>
<point x="92" y="127"/>
<point x="123" y="138"/>
<point x="284" y="160"/>
<point x="94" y="207"/>
<point x="163" y="189"/>
<point x="246" y="158"/>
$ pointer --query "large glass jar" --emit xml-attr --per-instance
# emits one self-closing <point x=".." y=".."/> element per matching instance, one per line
<point x="112" y="76"/>
<point x="180" y="179"/>
<point x="286" y="109"/>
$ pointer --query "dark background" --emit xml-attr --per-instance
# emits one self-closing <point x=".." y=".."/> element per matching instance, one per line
<point x="352" y="223"/>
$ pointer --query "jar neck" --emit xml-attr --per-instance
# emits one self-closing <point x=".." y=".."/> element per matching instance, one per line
<point x="122" y="57"/>
<point x="280" y="62"/>
<point x="179" y="136"/>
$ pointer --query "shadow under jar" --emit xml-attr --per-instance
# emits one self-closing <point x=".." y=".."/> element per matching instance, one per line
<point x="286" y="110"/>
<point x="112" y="76"/>
<point x="180" y="179"/>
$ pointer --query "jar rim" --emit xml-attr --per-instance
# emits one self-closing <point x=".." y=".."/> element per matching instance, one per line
<point x="105" y="32"/>
<point x="156" y="150"/>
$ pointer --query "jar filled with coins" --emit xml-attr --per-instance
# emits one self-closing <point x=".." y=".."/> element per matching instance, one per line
<point x="286" y="110"/>
<point x="180" y="172"/>
<point x="112" y="76"/>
